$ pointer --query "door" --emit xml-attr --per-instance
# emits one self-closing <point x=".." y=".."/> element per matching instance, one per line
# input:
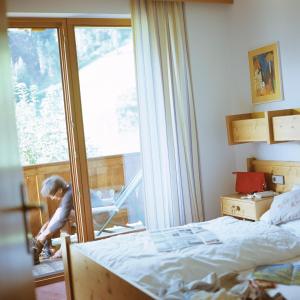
<point x="37" y="60"/>
<point x="103" y="55"/>
<point x="15" y="259"/>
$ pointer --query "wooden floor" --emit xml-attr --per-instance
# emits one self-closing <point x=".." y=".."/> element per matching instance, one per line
<point x="54" y="291"/>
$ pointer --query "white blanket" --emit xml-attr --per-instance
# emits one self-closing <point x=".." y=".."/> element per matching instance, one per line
<point x="244" y="245"/>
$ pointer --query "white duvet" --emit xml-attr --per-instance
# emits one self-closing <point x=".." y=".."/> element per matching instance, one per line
<point x="244" y="245"/>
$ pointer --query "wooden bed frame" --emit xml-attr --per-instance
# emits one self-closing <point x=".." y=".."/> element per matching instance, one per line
<point x="289" y="169"/>
<point x="85" y="279"/>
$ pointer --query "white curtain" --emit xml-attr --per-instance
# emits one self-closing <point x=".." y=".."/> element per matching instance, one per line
<point x="167" y="115"/>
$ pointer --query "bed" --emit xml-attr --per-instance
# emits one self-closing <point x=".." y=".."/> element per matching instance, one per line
<point x="130" y="266"/>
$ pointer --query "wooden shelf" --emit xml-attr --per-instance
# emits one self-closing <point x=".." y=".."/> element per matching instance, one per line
<point x="247" y="128"/>
<point x="270" y="126"/>
<point x="286" y="125"/>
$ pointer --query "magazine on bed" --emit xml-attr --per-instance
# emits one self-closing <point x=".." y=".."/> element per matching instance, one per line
<point x="182" y="237"/>
<point x="288" y="274"/>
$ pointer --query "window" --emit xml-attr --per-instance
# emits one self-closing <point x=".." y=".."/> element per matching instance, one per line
<point x="108" y="90"/>
<point x="110" y="119"/>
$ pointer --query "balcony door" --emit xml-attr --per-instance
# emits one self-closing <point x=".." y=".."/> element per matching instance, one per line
<point x="104" y="67"/>
<point x="39" y="92"/>
<point x="77" y="117"/>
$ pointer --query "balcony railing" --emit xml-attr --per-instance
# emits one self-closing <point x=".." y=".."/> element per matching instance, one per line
<point x="104" y="173"/>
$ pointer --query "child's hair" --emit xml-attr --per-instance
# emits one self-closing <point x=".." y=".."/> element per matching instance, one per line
<point x="52" y="184"/>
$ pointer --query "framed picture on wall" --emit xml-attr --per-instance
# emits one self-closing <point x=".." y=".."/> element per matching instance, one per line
<point x="265" y="76"/>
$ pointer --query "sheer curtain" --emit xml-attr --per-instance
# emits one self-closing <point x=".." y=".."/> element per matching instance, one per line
<point x="167" y="115"/>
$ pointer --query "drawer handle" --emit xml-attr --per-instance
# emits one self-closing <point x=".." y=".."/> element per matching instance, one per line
<point x="235" y="209"/>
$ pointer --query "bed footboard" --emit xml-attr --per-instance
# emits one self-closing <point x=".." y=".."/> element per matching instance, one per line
<point x="86" y="279"/>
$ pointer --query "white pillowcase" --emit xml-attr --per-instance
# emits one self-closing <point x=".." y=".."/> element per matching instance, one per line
<point x="285" y="207"/>
<point x="296" y="187"/>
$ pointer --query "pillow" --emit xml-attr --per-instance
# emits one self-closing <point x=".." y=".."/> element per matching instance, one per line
<point x="296" y="187"/>
<point x="265" y="217"/>
<point x="285" y="207"/>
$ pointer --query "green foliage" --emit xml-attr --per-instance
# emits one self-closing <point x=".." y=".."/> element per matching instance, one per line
<point x="38" y="89"/>
<point x="35" y="58"/>
<point x="97" y="42"/>
<point x="41" y="129"/>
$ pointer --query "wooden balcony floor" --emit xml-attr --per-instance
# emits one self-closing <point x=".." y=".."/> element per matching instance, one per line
<point x="48" y="267"/>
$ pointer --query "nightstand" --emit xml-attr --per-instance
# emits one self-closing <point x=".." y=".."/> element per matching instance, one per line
<point x="233" y="205"/>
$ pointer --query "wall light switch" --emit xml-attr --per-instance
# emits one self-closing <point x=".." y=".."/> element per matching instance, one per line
<point x="279" y="179"/>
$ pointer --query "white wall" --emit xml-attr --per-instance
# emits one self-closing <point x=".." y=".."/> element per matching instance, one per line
<point x="220" y="37"/>
<point x="254" y="24"/>
<point x="208" y="31"/>
<point x="70" y="7"/>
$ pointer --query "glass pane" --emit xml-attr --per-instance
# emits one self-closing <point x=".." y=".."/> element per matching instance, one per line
<point x="110" y="116"/>
<point x="39" y="95"/>
<point x="41" y="128"/>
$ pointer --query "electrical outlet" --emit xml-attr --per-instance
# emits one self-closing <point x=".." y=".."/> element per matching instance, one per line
<point x="278" y="179"/>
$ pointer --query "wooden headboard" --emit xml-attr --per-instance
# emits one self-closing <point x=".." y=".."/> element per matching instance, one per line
<point x="289" y="169"/>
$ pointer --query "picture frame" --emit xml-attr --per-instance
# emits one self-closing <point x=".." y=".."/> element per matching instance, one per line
<point x="265" y="74"/>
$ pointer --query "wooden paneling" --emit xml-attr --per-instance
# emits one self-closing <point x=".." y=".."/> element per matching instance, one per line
<point x="104" y="173"/>
<point x="290" y="171"/>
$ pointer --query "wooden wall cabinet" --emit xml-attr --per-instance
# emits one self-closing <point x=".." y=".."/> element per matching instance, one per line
<point x="245" y="128"/>
<point x="270" y="126"/>
<point x="286" y="125"/>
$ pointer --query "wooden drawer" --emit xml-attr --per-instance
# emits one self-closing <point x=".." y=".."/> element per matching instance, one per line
<point x="238" y="208"/>
<point x="286" y="128"/>
<point x="232" y="205"/>
<point x="251" y="130"/>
